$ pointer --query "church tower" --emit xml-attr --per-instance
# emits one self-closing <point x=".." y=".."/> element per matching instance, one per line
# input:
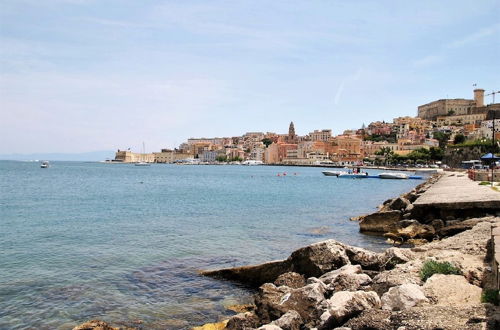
<point x="291" y="133"/>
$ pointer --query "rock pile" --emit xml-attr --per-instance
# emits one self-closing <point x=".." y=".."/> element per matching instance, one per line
<point x="328" y="285"/>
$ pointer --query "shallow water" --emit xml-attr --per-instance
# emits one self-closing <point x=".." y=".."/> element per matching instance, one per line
<point x="122" y="243"/>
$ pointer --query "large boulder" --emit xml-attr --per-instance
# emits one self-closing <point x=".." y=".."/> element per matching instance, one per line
<point x="403" y="297"/>
<point x="319" y="258"/>
<point x="272" y="302"/>
<point x="345" y="305"/>
<point x="394" y="256"/>
<point x="380" y="222"/>
<point x="291" y="280"/>
<point x="291" y="320"/>
<point x="399" y="203"/>
<point x="367" y="259"/>
<point x="451" y="290"/>
<point x="248" y="320"/>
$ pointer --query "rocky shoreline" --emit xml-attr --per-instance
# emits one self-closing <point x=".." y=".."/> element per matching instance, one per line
<point x="331" y="285"/>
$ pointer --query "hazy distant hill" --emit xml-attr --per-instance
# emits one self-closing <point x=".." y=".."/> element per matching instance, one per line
<point x="84" y="156"/>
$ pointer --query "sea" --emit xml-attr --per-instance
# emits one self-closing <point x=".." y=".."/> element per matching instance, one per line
<point x="125" y="244"/>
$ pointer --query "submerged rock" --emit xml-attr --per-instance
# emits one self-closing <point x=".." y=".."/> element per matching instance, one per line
<point x="95" y="325"/>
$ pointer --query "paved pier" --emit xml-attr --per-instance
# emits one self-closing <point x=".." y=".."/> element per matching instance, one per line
<point x="457" y="191"/>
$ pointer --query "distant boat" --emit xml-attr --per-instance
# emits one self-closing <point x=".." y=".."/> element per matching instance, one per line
<point x="252" y="162"/>
<point x="142" y="162"/>
<point x="45" y="164"/>
<point x="388" y="175"/>
<point x="333" y="173"/>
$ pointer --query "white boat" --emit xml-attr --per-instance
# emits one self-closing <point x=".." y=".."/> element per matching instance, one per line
<point x="142" y="162"/>
<point x="252" y="162"/>
<point x="45" y="164"/>
<point x="333" y="173"/>
<point x="353" y="176"/>
<point x="389" y="175"/>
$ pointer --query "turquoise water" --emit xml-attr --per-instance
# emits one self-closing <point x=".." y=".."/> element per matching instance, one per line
<point x="80" y="241"/>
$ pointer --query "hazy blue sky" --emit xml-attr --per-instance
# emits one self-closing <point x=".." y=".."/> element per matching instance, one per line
<point x="83" y="75"/>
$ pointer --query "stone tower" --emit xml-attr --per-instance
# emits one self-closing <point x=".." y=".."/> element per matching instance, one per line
<point x="479" y="97"/>
<point x="291" y="132"/>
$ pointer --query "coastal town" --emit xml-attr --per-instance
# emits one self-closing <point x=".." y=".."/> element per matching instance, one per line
<point x="465" y="124"/>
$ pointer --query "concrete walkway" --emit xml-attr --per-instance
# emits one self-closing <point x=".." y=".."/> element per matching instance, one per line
<point x="457" y="191"/>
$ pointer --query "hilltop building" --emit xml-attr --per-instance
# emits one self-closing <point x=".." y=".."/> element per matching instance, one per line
<point x="446" y="107"/>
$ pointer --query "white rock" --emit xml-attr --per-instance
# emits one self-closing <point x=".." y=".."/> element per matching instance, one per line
<point x="452" y="290"/>
<point x="344" y="305"/>
<point x="402" y="297"/>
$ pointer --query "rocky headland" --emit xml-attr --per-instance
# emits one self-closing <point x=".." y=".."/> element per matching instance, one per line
<point x="448" y="281"/>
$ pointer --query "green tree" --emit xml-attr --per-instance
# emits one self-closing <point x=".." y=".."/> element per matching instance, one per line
<point x="442" y="138"/>
<point x="459" y="138"/>
<point x="267" y="141"/>
<point x="436" y="153"/>
<point x="221" y="158"/>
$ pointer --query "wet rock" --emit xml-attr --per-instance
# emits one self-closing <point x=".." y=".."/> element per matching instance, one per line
<point x="344" y="305"/>
<point x="403" y="297"/>
<point x="252" y="275"/>
<point x="399" y="203"/>
<point x="213" y="326"/>
<point x="291" y="320"/>
<point x="272" y="302"/>
<point x="291" y="280"/>
<point x="95" y="325"/>
<point x="451" y="290"/>
<point x="380" y="222"/>
<point x="248" y="320"/>
<point x="319" y="258"/>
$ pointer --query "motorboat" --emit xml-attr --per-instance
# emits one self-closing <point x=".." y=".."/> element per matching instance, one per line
<point x="389" y="175"/>
<point x="333" y="173"/>
<point x="45" y="164"/>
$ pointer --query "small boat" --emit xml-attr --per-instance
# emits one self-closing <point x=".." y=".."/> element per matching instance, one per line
<point x="333" y="173"/>
<point x="252" y="162"/>
<point x="389" y="175"/>
<point x="353" y="176"/>
<point x="142" y="164"/>
<point x="45" y="164"/>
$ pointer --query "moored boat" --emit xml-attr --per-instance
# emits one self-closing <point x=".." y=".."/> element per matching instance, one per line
<point x="45" y="164"/>
<point x="353" y="176"/>
<point x="389" y="175"/>
<point x="333" y="173"/>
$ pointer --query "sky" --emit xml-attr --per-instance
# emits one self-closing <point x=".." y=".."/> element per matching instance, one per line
<point x="86" y="75"/>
